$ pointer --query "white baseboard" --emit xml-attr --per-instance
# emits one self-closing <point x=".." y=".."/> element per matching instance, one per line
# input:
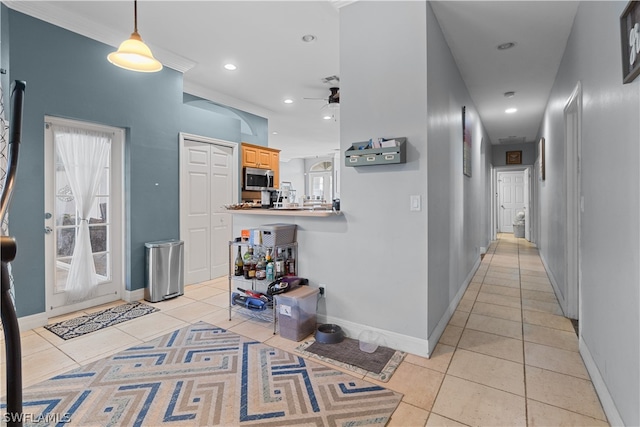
<point x="444" y="320"/>
<point x="33" y="321"/>
<point x="413" y="345"/>
<point x="606" y="400"/>
<point x="131" y="296"/>
<point x="554" y="283"/>
<point x="388" y="338"/>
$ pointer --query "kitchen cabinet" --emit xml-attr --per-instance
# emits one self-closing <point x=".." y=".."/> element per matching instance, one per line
<point x="255" y="156"/>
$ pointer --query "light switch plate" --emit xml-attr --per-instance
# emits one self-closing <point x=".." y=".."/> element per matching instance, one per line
<point x="415" y="203"/>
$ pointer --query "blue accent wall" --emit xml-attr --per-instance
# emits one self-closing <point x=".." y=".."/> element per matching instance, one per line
<point x="69" y="76"/>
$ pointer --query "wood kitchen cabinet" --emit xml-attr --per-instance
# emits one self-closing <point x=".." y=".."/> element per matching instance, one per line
<point x="255" y="156"/>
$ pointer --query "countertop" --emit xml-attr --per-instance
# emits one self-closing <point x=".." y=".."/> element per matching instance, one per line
<point x="285" y="212"/>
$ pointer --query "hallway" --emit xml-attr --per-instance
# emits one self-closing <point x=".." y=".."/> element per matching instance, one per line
<point x="514" y="359"/>
<point x="507" y="357"/>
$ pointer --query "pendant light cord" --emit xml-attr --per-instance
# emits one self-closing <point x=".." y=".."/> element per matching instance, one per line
<point x="135" y="16"/>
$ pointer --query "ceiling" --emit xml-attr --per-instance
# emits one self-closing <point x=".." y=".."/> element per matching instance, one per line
<point x="264" y="40"/>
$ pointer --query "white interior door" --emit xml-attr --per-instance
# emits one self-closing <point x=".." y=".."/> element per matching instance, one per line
<point x="62" y="222"/>
<point x="195" y="207"/>
<point x="510" y="199"/>
<point x="208" y="182"/>
<point x="221" y="221"/>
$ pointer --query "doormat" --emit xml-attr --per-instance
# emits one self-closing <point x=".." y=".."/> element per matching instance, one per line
<point x="203" y="375"/>
<point x="82" y="325"/>
<point x="379" y="365"/>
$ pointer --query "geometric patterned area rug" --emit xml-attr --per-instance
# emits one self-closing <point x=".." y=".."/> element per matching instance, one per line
<point x="379" y="365"/>
<point x="92" y="322"/>
<point x="205" y="375"/>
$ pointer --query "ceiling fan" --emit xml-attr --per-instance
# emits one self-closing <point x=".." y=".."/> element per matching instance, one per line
<point x="332" y="104"/>
<point x="334" y="97"/>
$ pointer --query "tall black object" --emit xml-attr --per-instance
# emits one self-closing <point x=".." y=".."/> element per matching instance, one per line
<point x="8" y="250"/>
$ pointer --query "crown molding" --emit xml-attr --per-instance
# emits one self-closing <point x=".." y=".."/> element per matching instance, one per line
<point x="51" y="13"/>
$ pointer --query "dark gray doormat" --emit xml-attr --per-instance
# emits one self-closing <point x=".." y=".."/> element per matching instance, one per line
<point x="95" y="321"/>
<point x="379" y="365"/>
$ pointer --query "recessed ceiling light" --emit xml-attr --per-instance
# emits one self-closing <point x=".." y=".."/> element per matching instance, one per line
<point x="510" y="110"/>
<point x="308" y="38"/>
<point x="327" y="117"/>
<point x="509" y="94"/>
<point x="230" y="67"/>
<point x="288" y="101"/>
<point x="274" y="133"/>
<point x="505" y="46"/>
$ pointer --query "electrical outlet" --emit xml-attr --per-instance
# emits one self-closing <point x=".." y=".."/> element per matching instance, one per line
<point x="323" y="290"/>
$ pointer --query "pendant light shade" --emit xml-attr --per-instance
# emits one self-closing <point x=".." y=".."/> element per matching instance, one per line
<point x="133" y="54"/>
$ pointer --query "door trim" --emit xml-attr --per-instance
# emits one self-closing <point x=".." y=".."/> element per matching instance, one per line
<point x="235" y="176"/>
<point x="495" y="196"/>
<point x="572" y="154"/>
<point x="118" y="252"/>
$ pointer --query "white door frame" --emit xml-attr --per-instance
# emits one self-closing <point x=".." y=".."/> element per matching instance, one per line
<point x="117" y="222"/>
<point x="573" y="151"/>
<point x="235" y="148"/>
<point x="494" y="192"/>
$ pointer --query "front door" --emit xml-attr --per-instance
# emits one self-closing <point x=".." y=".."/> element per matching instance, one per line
<point x="510" y="199"/>
<point x="207" y="184"/>
<point x="63" y="220"/>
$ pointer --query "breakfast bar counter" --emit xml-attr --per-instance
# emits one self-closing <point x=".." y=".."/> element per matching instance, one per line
<point x="286" y="212"/>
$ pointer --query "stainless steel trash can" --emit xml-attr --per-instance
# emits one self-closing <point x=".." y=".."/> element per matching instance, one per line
<point x="164" y="278"/>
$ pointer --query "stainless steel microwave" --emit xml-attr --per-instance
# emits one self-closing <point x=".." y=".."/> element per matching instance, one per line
<point x="258" y="179"/>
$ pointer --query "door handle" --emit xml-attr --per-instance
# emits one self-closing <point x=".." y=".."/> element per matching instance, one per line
<point x="502" y="206"/>
<point x="48" y="230"/>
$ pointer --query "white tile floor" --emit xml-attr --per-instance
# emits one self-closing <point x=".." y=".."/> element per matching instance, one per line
<point x="507" y="357"/>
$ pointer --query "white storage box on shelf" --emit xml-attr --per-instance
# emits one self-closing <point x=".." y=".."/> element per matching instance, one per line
<point x="297" y="312"/>
<point x="278" y="234"/>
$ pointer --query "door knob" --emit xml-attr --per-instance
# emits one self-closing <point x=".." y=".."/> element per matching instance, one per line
<point x="48" y="230"/>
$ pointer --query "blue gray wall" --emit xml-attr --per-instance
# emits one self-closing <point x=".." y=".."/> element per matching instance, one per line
<point x="458" y="210"/>
<point x="610" y="229"/>
<point x="68" y="76"/>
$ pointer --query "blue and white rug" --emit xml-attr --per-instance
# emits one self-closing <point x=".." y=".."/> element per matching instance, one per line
<point x="205" y="375"/>
<point x="95" y="321"/>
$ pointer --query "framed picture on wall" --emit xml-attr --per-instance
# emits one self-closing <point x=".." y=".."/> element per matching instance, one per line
<point x="541" y="159"/>
<point x="466" y="144"/>
<point x="630" y="41"/>
<point x="514" y="157"/>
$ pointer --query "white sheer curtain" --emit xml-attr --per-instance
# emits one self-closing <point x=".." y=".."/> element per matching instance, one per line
<point x="83" y="155"/>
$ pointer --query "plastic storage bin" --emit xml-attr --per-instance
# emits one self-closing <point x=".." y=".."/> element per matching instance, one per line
<point x="297" y="312"/>
<point x="164" y="278"/>
<point x="278" y="234"/>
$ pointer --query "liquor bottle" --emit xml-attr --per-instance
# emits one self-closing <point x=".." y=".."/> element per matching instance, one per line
<point x="291" y="264"/>
<point x="261" y="267"/>
<point x="269" y="268"/>
<point x="252" y="267"/>
<point x="280" y="271"/>
<point x="239" y="268"/>
<point x="248" y="260"/>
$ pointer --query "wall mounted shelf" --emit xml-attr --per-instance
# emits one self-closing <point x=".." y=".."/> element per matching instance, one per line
<point x="356" y="155"/>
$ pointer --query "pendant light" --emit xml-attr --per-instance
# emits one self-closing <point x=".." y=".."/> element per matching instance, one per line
<point x="133" y="54"/>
